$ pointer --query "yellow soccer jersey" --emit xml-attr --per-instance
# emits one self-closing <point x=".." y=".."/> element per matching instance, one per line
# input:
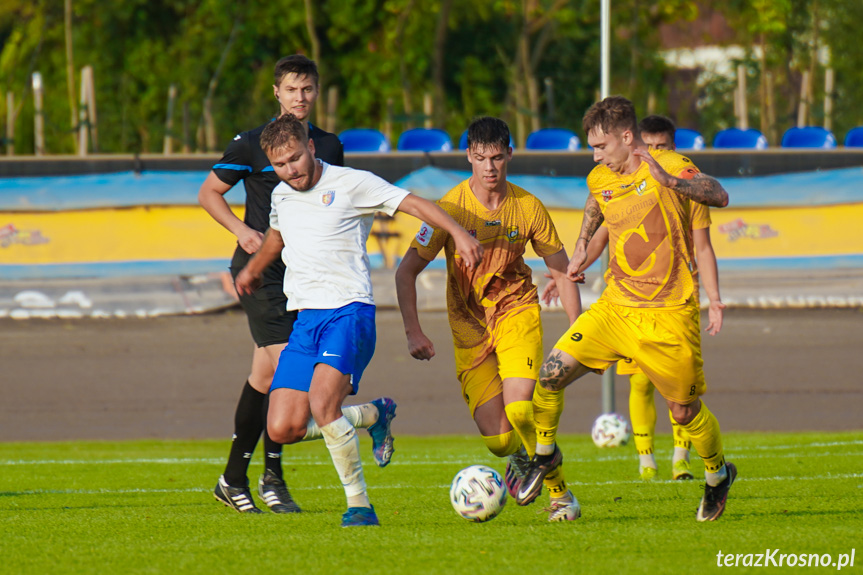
<point x="650" y="243"/>
<point x="477" y="298"/>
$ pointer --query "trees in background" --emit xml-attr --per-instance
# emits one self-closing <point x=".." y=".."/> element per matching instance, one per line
<point x="398" y="63"/>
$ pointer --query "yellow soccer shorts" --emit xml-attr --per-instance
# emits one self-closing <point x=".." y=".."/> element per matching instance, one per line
<point x="514" y="350"/>
<point x="664" y="342"/>
<point x="627" y="366"/>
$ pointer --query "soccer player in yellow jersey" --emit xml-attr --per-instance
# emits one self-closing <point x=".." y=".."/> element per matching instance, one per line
<point x="647" y="312"/>
<point x="658" y="133"/>
<point x="494" y="308"/>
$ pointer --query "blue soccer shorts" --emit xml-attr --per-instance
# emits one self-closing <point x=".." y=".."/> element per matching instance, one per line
<point x="343" y="338"/>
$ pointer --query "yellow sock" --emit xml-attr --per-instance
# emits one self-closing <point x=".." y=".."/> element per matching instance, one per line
<point x="520" y="416"/>
<point x="547" y="407"/>
<point x="681" y="438"/>
<point x="555" y="483"/>
<point x="642" y="411"/>
<point x="503" y="444"/>
<point x="706" y="438"/>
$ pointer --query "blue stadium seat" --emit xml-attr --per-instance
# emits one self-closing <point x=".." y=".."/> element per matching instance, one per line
<point x="424" y="140"/>
<point x="750" y="139"/>
<point x="686" y="139"/>
<point x="462" y="142"/>
<point x="553" y="139"/>
<point x="364" y="140"/>
<point x="854" y="138"/>
<point x="808" y="137"/>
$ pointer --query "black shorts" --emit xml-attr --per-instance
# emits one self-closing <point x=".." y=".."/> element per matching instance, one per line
<point x="269" y="322"/>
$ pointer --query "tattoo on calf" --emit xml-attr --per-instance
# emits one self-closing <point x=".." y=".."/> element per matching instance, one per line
<point x="554" y="372"/>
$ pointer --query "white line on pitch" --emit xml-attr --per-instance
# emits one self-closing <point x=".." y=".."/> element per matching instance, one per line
<point x="731" y="454"/>
<point x="827" y="476"/>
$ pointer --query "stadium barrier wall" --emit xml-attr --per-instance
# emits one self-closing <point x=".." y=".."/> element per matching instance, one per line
<point x="125" y="224"/>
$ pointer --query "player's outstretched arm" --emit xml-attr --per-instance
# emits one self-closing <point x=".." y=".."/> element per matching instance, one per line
<point x="212" y="197"/>
<point x="700" y="188"/>
<point x="420" y="346"/>
<point x="467" y="246"/>
<point x="567" y="289"/>
<point x="708" y="272"/>
<point x="249" y="277"/>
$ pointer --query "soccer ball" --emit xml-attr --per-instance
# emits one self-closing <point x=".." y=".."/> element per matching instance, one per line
<point x="610" y="430"/>
<point x="478" y="493"/>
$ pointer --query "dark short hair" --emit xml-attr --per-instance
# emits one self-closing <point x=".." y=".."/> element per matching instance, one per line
<point x="613" y="114"/>
<point x="278" y="133"/>
<point x="657" y="124"/>
<point x="487" y="131"/>
<point x="296" y="64"/>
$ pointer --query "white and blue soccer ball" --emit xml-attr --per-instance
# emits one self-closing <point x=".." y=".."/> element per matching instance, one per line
<point x="610" y="430"/>
<point x="478" y="493"/>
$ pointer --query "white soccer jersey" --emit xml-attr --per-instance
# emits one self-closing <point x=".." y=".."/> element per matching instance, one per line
<point x="325" y="230"/>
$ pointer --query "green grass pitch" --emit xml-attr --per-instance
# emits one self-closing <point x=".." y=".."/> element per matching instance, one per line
<point x="147" y="507"/>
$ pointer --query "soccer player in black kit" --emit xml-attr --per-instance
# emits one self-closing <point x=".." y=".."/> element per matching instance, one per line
<point x="296" y="89"/>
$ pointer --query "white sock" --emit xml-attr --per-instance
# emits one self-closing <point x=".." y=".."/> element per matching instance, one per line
<point x="680" y="453"/>
<point x="714" y="479"/>
<point x="544" y="449"/>
<point x="344" y="446"/>
<point x="361" y="417"/>
<point x="647" y="460"/>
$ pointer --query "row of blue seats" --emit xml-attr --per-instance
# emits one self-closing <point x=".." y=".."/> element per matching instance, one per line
<point x="560" y="139"/>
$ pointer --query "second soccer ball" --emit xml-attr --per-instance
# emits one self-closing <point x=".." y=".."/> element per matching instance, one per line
<point x="610" y="430"/>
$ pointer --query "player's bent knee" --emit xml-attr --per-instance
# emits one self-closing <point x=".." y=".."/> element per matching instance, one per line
<point x="286" y="432"/>
<point x="503" y="444"/>
<point x="286" y="436"/>
<point x="684" y="414"/>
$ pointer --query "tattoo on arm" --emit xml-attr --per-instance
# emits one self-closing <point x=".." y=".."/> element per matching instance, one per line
<point x="554" y="374"/>
<point x="593" y="218"/>
<point x="703" y="189"/>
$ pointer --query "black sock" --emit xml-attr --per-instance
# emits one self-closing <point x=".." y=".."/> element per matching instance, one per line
<point x="272" y="450"/>
<point x="249" y="422"/>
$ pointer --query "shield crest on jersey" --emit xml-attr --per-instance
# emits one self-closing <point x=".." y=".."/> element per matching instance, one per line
<point x="328" y="197"/>
<point x="512" y="233"/>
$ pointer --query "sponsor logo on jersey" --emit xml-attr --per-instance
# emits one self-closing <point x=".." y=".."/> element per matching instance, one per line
<point x="424" y="236"/>
<point x="512" y="233"/>
<point x="472" y="233"/>
<point x="493" y="223"/>
<point x="607" y="194"/>
<point x="641" y="187"/>
<point x="237" y="137"/>
<point x="328" y="197"/>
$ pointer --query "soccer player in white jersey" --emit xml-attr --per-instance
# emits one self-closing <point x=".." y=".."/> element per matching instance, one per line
<point x="320" y="220"/>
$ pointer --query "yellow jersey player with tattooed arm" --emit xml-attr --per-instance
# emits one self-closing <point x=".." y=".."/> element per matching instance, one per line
<point x="658" y="133"/>
<point x="494" y="308"/>
<point x="648" y="311"/>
